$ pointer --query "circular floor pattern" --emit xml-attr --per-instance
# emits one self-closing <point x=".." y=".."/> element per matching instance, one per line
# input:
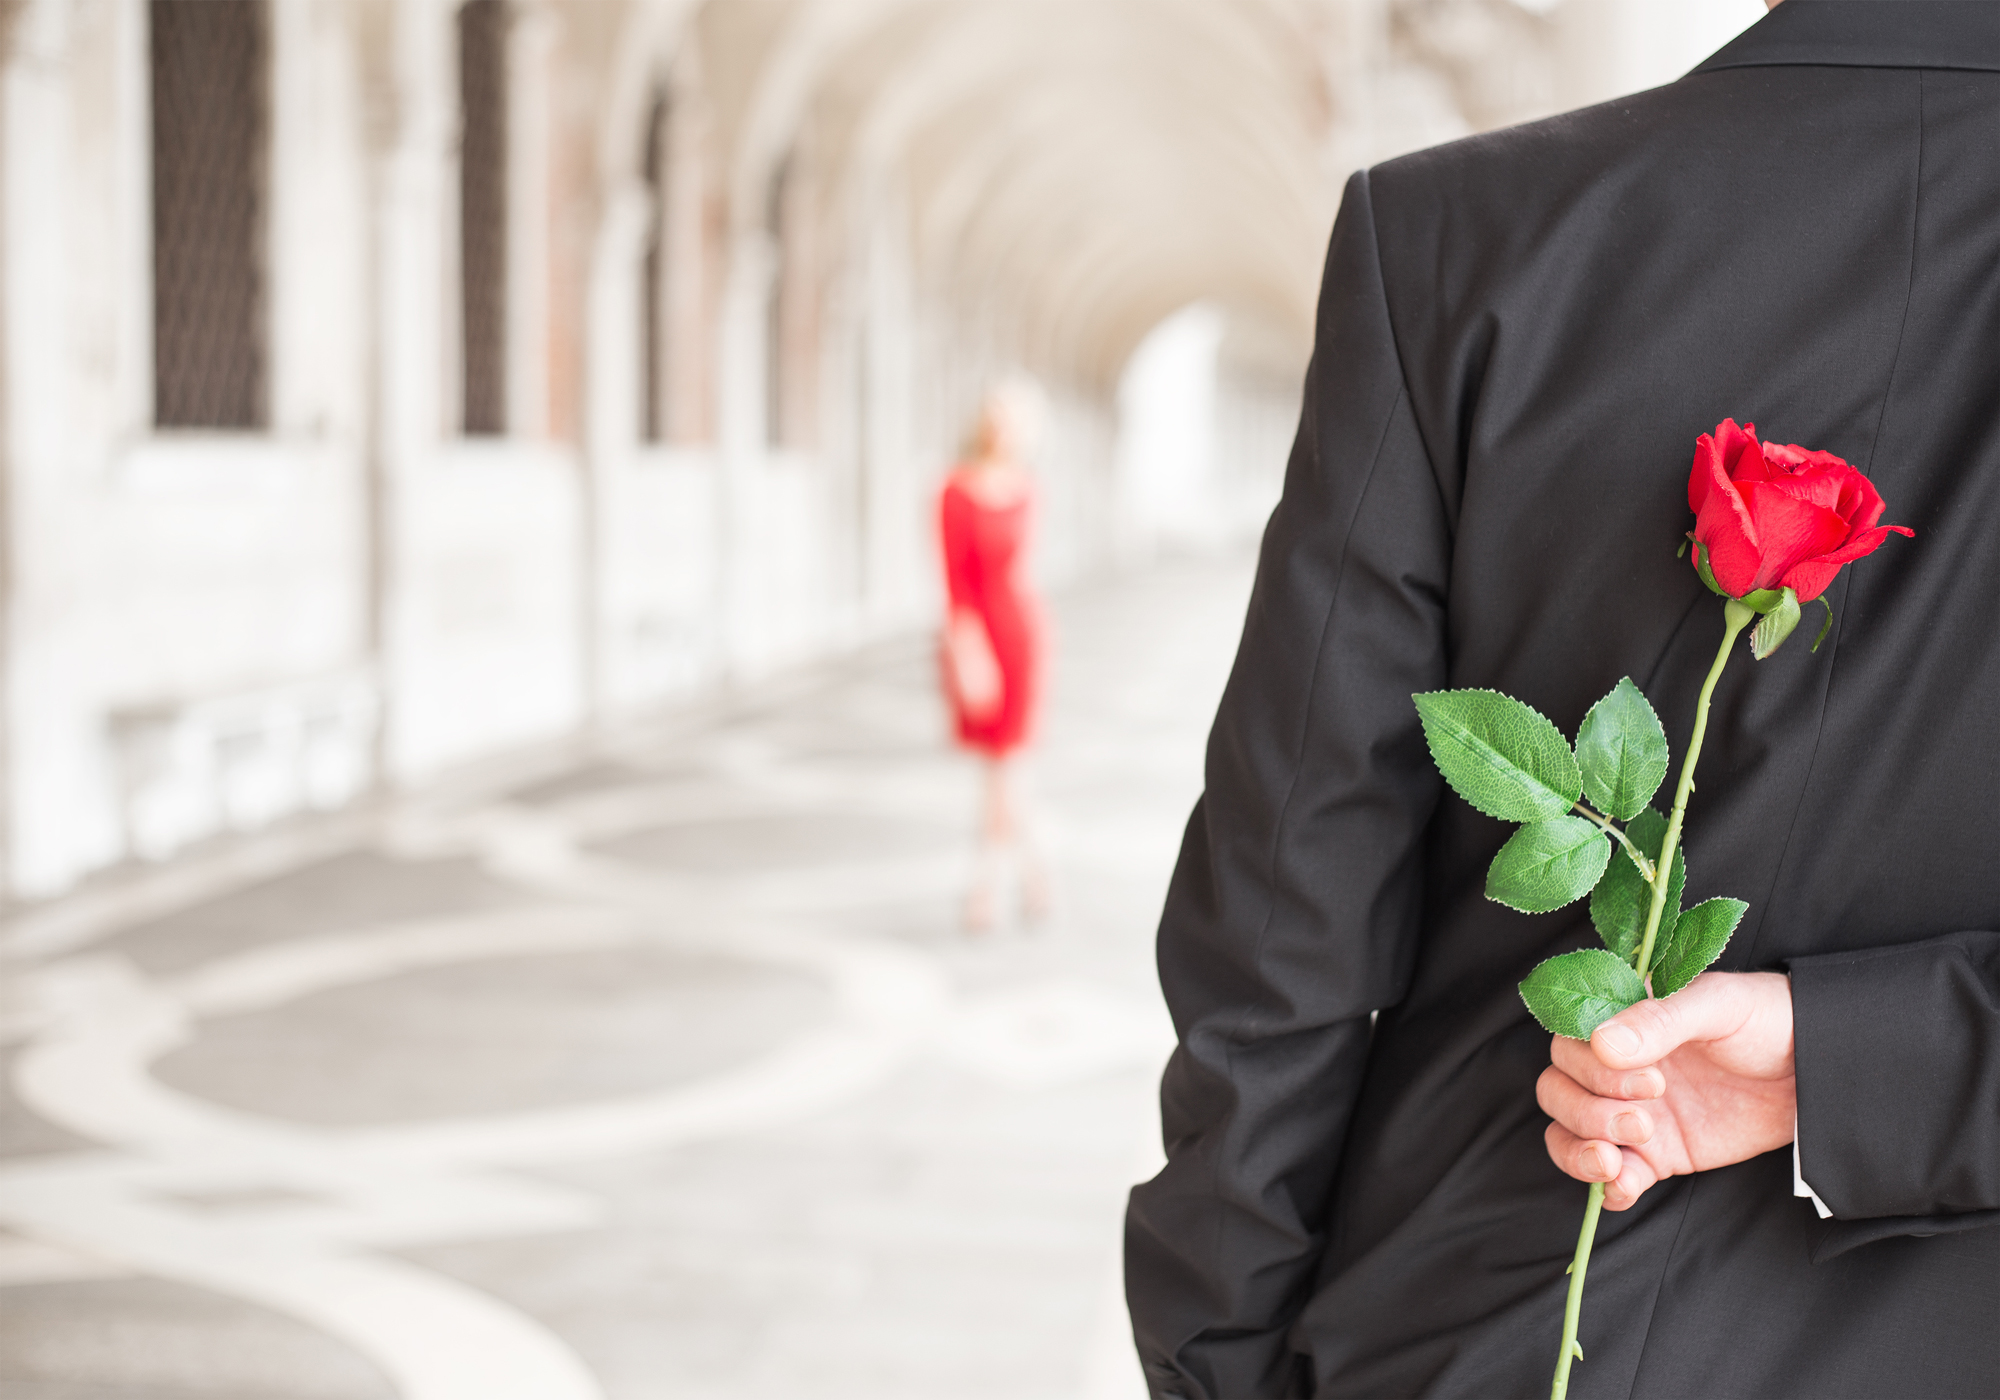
<point x="784" y="841"/>
<point x="506" y="1036"/>
<point x="673" y="1081"/>
<point x="148" y="1339"/>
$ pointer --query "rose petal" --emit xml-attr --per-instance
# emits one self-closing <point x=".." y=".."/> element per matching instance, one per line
<point x="1865" y="542"/>
<point x="1793" y="458"/>
<point x="1703" y="472"/>
<point x="1726" y="531"/>
<point x="1748" y="460"/>
<point x="1859" y="502"/>
<point x="1722" y="525"/>
<point x="1824" y="484"/>
<point x="1759" y="466"/>
<point x="1810" y="578"/>
<point x="1788" y="530"/>
<point x="1714" y="456"/>
<point x="1706" y="473"/>
<point x="1741" y="451"/>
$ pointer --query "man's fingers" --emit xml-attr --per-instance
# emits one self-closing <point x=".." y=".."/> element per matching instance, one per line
<point x="1626" y="1175"/>
<point x="1635" y="1174"/>
<point x="1575" y="1059"/>
<point x="1588" y="1116"/>
<point x="1708" y="1008"/>
<point x="1584" y="1160"/>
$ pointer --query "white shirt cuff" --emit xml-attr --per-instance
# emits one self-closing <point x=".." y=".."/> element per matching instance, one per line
<point x="1799" y="1187"/>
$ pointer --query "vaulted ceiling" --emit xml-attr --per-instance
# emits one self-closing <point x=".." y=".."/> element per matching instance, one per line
<point x="1071" y="171"/>
<point x="1074" y="170"/>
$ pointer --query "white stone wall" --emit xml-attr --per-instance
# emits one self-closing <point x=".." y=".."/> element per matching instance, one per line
<point x="207" y="633"/>
<point x="153" y="576"/>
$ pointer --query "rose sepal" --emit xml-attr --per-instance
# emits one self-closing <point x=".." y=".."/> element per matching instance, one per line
<point x="1701" y="568"/>
<point x="1766" y="600"/>
<point x="1776" y="625"/>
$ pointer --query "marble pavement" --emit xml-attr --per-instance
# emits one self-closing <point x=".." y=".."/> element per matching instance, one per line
<point x="669" y="1076"/>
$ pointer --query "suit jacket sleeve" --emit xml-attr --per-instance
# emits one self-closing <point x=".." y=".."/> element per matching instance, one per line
<point x="1294" y="909"/>
<point x="1898" y="1055"/>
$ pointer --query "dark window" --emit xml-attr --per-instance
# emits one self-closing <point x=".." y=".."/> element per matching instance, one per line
<point x="209" y="158"/>
<point x="653" y="279"/>
<point x="482" y="211"/>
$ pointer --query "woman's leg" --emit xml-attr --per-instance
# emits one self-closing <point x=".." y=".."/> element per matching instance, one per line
<point x="996" y="817"/>
<point x="1002" y="818"/>
<point x="1012" y="830"/>
<point x="1004" y="830"/>
<point x="1036" y="901"/>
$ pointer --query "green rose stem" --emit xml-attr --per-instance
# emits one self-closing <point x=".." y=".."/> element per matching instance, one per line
<point x="1638" y="856"/>
<point x="1735" y="617"/>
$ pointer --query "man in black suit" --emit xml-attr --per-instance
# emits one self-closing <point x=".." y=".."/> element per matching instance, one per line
<point x="1520" y="337"/>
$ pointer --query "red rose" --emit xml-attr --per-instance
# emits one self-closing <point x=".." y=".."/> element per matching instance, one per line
<point x="1768" y="515"/>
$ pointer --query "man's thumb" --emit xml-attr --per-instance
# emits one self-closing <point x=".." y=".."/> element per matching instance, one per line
<point x="1651" y="1030"/>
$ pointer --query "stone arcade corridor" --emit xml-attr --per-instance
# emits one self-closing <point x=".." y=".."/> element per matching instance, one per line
<point x="669" y="1076"/>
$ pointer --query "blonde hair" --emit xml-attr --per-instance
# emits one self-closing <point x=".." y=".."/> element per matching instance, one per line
<point x="1014" y="408"/>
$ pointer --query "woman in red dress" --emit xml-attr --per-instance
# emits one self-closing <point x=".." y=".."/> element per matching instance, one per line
<point x="993" y="649"/>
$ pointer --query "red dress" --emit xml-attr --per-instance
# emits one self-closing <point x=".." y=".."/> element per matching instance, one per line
<point x="985" y="549"/>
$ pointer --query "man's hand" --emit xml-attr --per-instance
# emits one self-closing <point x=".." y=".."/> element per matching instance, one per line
<point x="1698" y="1080"/>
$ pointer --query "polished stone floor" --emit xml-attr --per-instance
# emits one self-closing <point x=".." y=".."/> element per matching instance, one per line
<point x="671" y="1075"/>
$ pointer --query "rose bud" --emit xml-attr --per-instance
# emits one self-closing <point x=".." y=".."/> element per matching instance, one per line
<point x="1771" y="516"/>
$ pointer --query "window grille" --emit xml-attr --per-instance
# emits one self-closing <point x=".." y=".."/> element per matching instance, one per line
<point x="482" y="94"/>
<point x="653" y="288"/>
<point x="209" y="178"/>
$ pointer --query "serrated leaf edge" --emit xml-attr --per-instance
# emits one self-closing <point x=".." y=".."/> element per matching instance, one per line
<point x="1665" y="767"/>
<point x="1743" y="908"/>
<point x="1520" y="989"/>
<point x="1518" y="909"/>
<point x="1424" y="721"/>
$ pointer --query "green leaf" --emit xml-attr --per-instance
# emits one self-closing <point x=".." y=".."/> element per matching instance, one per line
<point x="1763" y="600"/>
<point x="1546" y="865"/>
<point x="1499" y="755"/>
<point x="1619" y="904"/>
<point x="1698" y="940"/>
<point x="1826" y="626"/>
<point x="1774" y="626"/>
<point x="1576" y="993"/>
<point x="1622" y="751"/>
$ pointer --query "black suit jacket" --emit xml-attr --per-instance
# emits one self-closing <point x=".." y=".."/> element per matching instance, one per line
<point x="1520" y="337"/>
